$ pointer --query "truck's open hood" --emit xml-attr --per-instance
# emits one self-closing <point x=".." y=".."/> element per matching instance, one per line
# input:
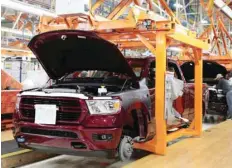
<point x="210" y="70"/>
<point x="65" y="51"/>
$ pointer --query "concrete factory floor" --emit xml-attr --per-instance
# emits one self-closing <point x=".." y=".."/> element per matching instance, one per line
<point x="85" y="162"/>
<point x="212" y="150"/>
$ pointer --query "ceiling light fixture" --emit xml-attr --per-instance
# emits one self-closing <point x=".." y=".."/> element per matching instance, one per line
<point x="177" y="5"/>
<point x="225" y="8"/>
<point x="177" y="49"/>
<point x="204" y="21"/>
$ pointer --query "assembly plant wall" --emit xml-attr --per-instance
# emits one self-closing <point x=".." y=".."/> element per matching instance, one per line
<point x="18" y="68"/>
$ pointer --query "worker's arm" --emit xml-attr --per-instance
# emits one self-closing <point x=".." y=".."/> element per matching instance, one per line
<point x="219" y="85"/>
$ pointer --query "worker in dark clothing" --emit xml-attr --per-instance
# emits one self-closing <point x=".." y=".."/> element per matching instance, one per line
<point x="230" y="74"/>
<point x="224" y="85"/>
<point x="229" y="77"/>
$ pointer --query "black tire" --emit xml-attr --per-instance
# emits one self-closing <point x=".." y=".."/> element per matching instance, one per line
<point x="206" y="120"/>
<point x="212" y="120"/>
<point x="125" y="150"/>
<point x="203" y="110"/>
<point x="224" y="118"/>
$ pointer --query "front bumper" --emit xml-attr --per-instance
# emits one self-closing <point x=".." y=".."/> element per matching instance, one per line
<point x="64" y="145"/>
<point x="57" y="150"/>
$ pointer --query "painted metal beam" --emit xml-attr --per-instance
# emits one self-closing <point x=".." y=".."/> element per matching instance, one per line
<point x="190" y="41"/>
<point x="14" y="31"/>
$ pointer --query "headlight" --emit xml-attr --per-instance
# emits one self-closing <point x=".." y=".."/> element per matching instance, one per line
<point x="103" y="106"/>
<point x="17" y="102"/>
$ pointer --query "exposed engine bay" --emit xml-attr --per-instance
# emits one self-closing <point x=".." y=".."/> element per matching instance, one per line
<point x="91" y="86"/>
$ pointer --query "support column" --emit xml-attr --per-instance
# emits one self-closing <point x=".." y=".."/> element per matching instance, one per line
<point x="198" y="91"/>
<point x="160" y="122"/>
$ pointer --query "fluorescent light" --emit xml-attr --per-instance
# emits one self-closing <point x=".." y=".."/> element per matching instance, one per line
<point x="175" y="49"/>
<point x="177" y="5"/>
<point x="230" y="32"/>
<point x="225" y="8"/>
<point x="19" y="32"/>
<point x="204" y="21"/>
<point x="146" y="53"/>
<point x="26" y="8"/>
<point x="2" y="18"/>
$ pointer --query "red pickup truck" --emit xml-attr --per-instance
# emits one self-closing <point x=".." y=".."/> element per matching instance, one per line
<point x="215" y="103"/>
<point x="99" y="111"/>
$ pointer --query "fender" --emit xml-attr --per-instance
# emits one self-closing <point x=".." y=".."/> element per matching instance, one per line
<point x="142" y="114"/>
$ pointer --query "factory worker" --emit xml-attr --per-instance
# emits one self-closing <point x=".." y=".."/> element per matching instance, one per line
<point x="229" y="76"/>
<point x="224" y="85"/>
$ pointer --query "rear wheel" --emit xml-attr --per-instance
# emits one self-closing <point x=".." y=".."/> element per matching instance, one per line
<point x="212" y="120"/>
<point x="206" y="119"/>
<point x="203" y="110"/>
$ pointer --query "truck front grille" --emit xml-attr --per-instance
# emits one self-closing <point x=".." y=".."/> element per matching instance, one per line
<point x="61" y="116"/>
<point x="69" y="109"/>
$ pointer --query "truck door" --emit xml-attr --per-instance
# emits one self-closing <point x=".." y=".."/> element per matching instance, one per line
<point x="190" y="101"/>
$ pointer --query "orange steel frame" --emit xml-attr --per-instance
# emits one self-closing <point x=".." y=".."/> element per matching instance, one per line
<point x="218" y="23"/>
<point x="223" y="60"/>
<point x="8" y="52"/>
<point x="127" y="33"/>
<point x="226" y="59"/>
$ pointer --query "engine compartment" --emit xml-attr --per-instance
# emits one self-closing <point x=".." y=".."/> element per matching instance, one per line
<point x="91" y="86"/>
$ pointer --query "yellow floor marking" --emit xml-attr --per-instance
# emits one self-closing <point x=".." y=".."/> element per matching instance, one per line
<point x="15" y="153"/>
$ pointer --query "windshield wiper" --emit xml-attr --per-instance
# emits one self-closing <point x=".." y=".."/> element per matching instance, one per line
<point x="63" y="77"/>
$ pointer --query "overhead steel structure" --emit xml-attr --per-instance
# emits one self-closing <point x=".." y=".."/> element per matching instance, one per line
<point x="130" y="25"/>
<point x="218" y="34"/>
<point x="20" y="19"/>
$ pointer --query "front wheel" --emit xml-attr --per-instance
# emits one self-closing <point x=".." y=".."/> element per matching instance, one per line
<point x="125" y="149"/>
